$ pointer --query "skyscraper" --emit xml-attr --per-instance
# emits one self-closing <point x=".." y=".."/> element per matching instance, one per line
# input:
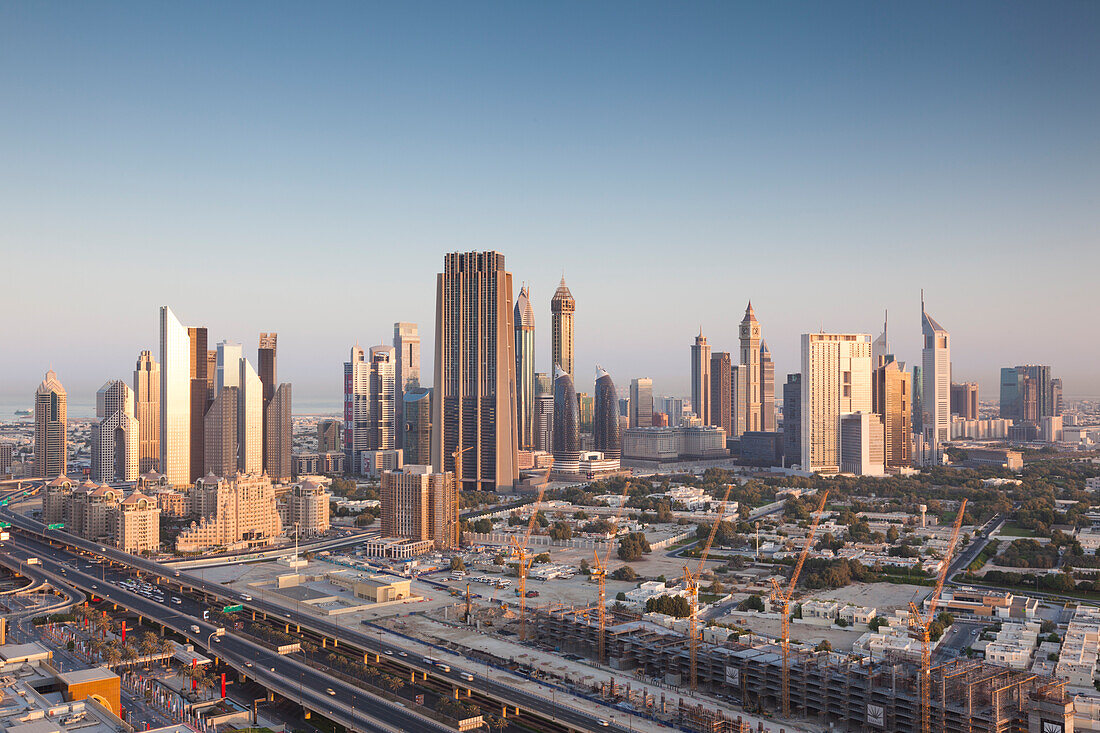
<point x="50" y="420"/>
<point x="524" y="323"/>
<point x="880" y="348"/>
<point x="739" y="395"/>
<point x="250" y="419"/>
<point x="964" y="400"/>
<point x="562" y="307"/>
<point x="356" y="408"/>
<point x="918" y="400"/>
<point x="1056" y="405"/>
<point x="892" y="397"/>
<point x="641" y="402"/>
<point x="1028" y="393"/>
<point x="792" y="420"/>
<point x="221" y="434"/>
<point x="936" y="402"/>
<point x="175" y="399"/>
<point x="701" y="379"/>
<point x="328" y="436"/>
<point x="147" y="411"/>
<point x="383" y="388"/>
<point x="606" y="431"/>
<point x="544" y="422"/>
<point x="277" y="438"/>
<point x="836" y="379"/>
<point x="567" y="429"/>
<point x="417" y="427"/>
<point x="278" y="435"/>
<point x="228" y="370"/>
<point x="767" y="389"/>
<point x="200" y="396"/>
<point x="115" y="434"/>
<point x="421" y="505"/>
<point x="751" y="402"/>
<point x="721" y="391"/>
<point x="475" y="372"/>
<point x="406" y="346"/>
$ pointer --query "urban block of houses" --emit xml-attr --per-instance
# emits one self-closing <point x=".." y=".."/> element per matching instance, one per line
<point x="1013" y="645"/>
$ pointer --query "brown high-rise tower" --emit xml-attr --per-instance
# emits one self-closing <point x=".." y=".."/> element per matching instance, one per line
<point x="50" y="419"/>
<point x="475" y="373"/>
<point x="200" y="399"/>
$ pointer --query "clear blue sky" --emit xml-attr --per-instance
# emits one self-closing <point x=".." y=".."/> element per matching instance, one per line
<point x="302" y="168"/>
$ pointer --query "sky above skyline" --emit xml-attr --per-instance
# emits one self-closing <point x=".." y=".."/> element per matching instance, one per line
<point x="304" y="168"/>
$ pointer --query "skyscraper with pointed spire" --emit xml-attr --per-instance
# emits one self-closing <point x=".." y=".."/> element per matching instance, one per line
<point x="524" y="319"/>
<point x="936" y="401"/>
<point x="51" y="450"/>
<point x="754" y="380"/>
<point x="562" y="307"/>
<point x="880" y="347"/>
<point x="700" y="378"/>
<point x="892" y="401"/>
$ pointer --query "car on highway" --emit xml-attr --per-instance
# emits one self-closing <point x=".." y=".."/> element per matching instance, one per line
<point x="445" y="667"/>
<point x="194" y="628"/>
<point x="331" y="691"/>
<point x="248" y="664"/>
<point x="467" y="676"/>
<point x="176" y="600"/>
<point x="604" y="723"/>
<point x="402" y="654"/>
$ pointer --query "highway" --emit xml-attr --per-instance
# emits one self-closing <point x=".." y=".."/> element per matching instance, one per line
<point x="554" y="709"/>
<point x="351" y="706"/>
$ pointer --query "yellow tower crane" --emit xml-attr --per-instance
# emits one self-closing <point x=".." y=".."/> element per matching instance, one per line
<point x="600" y="571"/>
<point x="920" y="625"/>
<point x="521" y="554"/>
<point x="691" y="583"/>
<point x="783" y="597"/>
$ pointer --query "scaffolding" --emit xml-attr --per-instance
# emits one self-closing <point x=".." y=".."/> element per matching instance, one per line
<point x="857" y="694"/>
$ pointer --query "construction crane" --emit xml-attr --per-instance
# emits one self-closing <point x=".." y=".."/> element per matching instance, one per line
<point x="521" y="553"/>
<point x="456" y="530"/>
<point x="783" y="597"/>
<point x="921" y="625"/>
<point x="600" y="571"/>
<point x="691" y="583"/>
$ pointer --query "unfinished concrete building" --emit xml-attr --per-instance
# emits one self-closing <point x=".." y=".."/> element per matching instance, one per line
<point x="967" y="696"/>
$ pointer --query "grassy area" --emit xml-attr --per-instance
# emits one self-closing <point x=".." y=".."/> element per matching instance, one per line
<point x="1011" y="529"/>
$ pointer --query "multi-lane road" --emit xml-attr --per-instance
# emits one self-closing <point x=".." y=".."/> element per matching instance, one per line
<point x="357" y="710"/>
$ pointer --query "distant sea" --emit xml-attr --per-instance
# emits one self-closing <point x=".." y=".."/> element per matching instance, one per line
<point x="83" y="409"/>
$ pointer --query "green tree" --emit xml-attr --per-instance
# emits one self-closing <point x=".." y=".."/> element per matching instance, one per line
<point x="457" y="563"/>
<point x="632" y="546"/>
<point x="561" y="531"/>
<point x="624" y="573"/>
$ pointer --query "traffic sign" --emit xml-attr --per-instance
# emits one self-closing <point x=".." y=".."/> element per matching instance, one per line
<point x="56" y="525"/>
<point x="232" y="608"/>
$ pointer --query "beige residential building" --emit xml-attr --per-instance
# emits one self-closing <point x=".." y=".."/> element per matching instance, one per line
<point x="137" y="524"/>
<point x="836" y="380"/>
<point x="234" y="513"/>
<point x="147" y="411"/>
<point x="50" y="419"/>
<point x="308" y="509"/>
<point x="220" y="440"/>
<point x="420" y="505"/>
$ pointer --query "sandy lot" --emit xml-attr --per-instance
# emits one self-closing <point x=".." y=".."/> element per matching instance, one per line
<point x="884" y="596"/>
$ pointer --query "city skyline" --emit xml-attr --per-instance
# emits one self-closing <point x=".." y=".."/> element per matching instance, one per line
<point x="819" y="140"/>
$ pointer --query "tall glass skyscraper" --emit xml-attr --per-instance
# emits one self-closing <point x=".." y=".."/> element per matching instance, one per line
<point x="524" y="318"/>
<point x="936" y="402"/>
<point x="175" y="399"/>
<point x="567" y="430"/>
<point x="606" y="432"/>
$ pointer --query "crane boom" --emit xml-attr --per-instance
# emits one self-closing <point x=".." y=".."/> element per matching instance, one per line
<point x="924" y="623"/>
<point x="691" y="583"/>
<point x="784" y="597"/>
<point x="601" y="578"/>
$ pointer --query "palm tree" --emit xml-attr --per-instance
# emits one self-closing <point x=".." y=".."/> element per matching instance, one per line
<point x="149" y="643"/>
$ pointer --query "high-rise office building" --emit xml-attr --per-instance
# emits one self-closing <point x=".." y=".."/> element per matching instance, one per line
<point x="114" y="434"/>
<point x="1056" y="404"/>
<point x="880" y="347"/>
<point x="606" y="430"/>
<point x="147" y="411"/>
<point x="892" y="397"/>
<point x="417" y="427"/>
<point x="721" y="391"/>
<point x="767" y="389"/>
<point x="421" y="505"/>
<point x="228" y="370"/>
<point x="567" y="428"/>
<point x="701" y="376"/>
<point x="936" y="402"/>
<point x="250" y="419"/>
<point x="278" y="443"/>
<point x="792" y="420"/>
<point x="918" y="400"/>
<point x="586" y="406"/>
<point x="861" y="444"/>
<point x="751" y="403"/>
<point x="674" y="408"/>
<point x="175" y="399"/>
<point x="641" y="402"/>
<point x="524" y="324"/>
<point x="740" y="394"/>
<point x="1028" y="393"/>
<point x="356" y="408"/>
<point x="964" y="400"/>
<point x="836" y="380"/>
<point x="544" y="422"/>
<point x="221" y="434"/>
<point x="200" y="396"/>
<point x="267" y="366"/>
<point x="383" y="389"/>
<point x="328" y="436"/>
<point x="51" y="447"/>
<point x="406" y="347"/>
<point x="562" y="307"/>
<point x="475" y="373"/>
